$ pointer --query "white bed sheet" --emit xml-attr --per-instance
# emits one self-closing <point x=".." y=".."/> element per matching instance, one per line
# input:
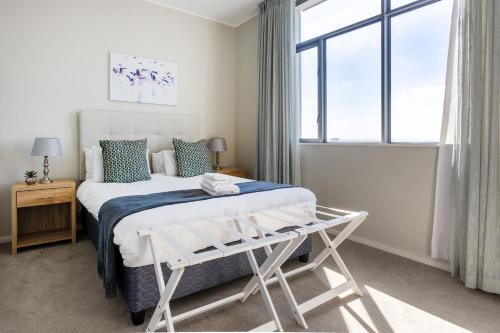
<point x="135" y="251"/>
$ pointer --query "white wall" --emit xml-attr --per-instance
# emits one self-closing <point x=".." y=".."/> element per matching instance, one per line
<point x="395" y="184"/>
<point x="54" y="56"/>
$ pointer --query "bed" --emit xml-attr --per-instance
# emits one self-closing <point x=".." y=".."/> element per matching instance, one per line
<point x="134" y="265"/>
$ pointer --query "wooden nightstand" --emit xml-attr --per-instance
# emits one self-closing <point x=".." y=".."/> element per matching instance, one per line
<point x="43" y="213"/>
<point x="237" y="172"/>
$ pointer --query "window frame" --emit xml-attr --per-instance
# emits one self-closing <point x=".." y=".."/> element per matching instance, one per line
<point x="384" y="18"/>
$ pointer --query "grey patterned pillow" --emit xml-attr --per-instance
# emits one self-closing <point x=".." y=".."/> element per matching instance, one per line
<point x="193" y="158"/>
<point x="125" y="161"/>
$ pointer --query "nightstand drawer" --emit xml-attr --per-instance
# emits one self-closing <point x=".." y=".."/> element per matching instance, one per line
<point x="44" y="197"/>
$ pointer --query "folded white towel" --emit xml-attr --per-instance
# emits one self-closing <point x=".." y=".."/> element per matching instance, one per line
<point x="218" y="186"/>
<point x="214" y="183"/>
<point x="235" y="190"/>
<point x="212" y="176"/>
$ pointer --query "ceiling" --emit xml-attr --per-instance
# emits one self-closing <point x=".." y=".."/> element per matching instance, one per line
<point x="229" y="12"/>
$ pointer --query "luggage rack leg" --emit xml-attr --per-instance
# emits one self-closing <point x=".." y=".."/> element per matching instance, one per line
<point x="163" y="307"/>
<point x="340" y="263"/>
<point x="330" y="250"/>
<point x="265" y="295"/>
<point x="284" y="284"/>
<point x="330" y="294"/>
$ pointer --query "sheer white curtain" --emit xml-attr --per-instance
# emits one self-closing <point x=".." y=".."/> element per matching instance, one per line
<point x="467" y="208"/>
<point x="442" y="208"/>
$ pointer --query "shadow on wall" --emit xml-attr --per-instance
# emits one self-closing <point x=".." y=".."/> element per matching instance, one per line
<point x="12" y="154"/>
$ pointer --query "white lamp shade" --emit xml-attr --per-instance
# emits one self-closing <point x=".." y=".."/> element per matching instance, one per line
<point x="217" y="144"/>
<point x="46" y="147"/>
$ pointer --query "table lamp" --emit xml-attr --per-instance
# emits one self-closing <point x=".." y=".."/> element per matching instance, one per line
<point x="46" y="147"/>
<point x="217" y="145"/>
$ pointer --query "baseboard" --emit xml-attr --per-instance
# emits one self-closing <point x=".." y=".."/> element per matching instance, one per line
<point x="5" y="239"/>
<point x="386" y="248"/>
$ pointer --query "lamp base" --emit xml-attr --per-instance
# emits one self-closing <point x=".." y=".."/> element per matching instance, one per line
<point x="46" y="180"/>
<point x="217" y="161"/>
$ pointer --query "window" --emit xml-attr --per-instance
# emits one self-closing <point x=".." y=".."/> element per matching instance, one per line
<point x="308" y="93"/>
<point x="418" y="72"/>
<point x="353" y="86"/>
<point x="314" y="22"/>
<point x="372" y="70"/>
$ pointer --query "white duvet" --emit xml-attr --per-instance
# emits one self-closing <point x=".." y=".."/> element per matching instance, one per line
<point x="135" y="251"/>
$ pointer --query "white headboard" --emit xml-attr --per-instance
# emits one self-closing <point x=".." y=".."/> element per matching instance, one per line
<point x="158" y="128"/>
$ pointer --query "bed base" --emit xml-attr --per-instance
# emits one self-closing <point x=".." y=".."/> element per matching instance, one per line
<point x="269" y="272"/>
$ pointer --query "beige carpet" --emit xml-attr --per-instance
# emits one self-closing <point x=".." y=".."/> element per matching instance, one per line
<point x="56" y="289"/>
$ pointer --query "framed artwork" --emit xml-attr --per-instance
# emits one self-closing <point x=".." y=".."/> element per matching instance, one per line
<point x="141" y="80"/>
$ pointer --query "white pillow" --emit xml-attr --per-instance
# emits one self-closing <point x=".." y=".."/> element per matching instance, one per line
<point x="169" y="162"/>
<point x="158" y="163"/>
<point x="164" y="162"/>
<point x="98" y="164"/>
<point x="89" y="162"/>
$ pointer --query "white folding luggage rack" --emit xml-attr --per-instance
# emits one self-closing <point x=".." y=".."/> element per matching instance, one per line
<point x="269" y="272"/>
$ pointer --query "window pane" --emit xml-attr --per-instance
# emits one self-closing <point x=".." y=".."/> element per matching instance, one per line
<point x="419" y="53"/>
<point x="331" y="15"/>
<point x="353" y="86"/>
<point x="308" y="93"/>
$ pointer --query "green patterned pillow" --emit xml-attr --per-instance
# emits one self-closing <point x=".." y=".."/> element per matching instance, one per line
<point x="125" y="161"/>
<point x="193" y="158"/>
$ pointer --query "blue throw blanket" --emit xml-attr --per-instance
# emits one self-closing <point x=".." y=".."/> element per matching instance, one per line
<point x="114" y="210"/>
